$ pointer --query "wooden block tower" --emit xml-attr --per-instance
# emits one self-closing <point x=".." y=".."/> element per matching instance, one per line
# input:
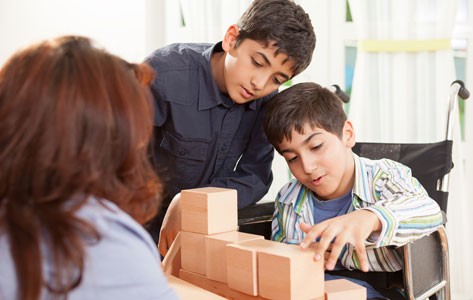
<point x="235" y="265"/>
<point x="209" y="222"/>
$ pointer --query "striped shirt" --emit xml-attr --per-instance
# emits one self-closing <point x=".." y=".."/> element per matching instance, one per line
<point x="384" y="187"/>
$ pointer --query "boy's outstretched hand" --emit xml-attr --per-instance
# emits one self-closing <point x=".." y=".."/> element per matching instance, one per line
<point x="353" y="228"/>
<point x="171" y="225"/>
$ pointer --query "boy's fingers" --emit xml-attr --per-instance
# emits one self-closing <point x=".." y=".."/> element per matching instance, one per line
<point x="305" y="227"/>
<point x="362" y="257"/>
<point x="324" y="244"/>
<point x="311" y="235"/>
<point x="162" y="246"/>
<point x="337" y="248"/>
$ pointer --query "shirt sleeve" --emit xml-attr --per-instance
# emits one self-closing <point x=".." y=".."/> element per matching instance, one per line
<point x="403" y="206"/>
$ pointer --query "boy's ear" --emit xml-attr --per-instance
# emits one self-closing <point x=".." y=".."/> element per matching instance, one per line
<point x="229" y="40"/>
<point x="348" y="134"/>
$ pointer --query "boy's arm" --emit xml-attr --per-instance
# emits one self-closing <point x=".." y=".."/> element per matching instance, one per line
<point x="403" y="212"/>
<point x="252" y="177"/>
<point x="404" y="208"/>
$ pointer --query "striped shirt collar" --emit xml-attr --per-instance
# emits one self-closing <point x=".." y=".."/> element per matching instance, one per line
<point x="362" y="186"/>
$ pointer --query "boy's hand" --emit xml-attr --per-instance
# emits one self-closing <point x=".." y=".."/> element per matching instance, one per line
<point x="353" y="228"/>
<point x="171" y="225"/>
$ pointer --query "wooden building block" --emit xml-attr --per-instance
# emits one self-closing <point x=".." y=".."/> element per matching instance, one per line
<point x="216" y="268"/>
<point x="341" y="289"/>
<point x="289" y="272"/>
<point x="209" y="210"/>
<point x="193" y="252"/>
<point x="242" y="272"/>
<point x="186" y="290"/>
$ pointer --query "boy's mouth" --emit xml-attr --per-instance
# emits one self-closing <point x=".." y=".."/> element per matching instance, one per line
<point x="317" y="181"/>
<point x="246" y="93"/>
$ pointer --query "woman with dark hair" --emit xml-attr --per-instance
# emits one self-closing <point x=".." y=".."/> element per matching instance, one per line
<point x="75" y="181"/>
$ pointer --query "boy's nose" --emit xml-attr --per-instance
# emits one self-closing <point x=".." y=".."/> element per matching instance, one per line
<point x="308" y="165"/>
<point x="258" y="81"/>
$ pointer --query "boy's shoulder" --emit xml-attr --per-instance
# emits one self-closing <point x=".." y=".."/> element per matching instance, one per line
<point x="381" y="163"/>
<point x="177" y="56"/>
<point x="369" y="169"/>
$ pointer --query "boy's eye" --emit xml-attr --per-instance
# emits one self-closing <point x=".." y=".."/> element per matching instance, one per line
<point x="291" y="159"/>
<point x="317" y="147"/>
<point x="256" y="63"/>
<point x="277" y="81"/>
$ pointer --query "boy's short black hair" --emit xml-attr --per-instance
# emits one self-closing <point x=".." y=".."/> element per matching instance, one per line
<point x="281" y="23"/>
<point x="298" y="105"/>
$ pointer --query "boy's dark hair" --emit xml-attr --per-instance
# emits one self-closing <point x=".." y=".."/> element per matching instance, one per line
<point x="283" y="24"/>
<point x="298" y="105"/>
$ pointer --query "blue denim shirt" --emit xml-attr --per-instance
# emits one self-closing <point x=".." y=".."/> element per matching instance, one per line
<point x="201" y="138"/>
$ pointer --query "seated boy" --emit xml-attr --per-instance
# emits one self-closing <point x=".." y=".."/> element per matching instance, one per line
<point x="353" y="207"/>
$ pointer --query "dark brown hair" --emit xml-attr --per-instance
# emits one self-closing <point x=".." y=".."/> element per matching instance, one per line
<point x="75" y="122"/>
<point x="281" y="23"/>
<point x="298" y="105"/>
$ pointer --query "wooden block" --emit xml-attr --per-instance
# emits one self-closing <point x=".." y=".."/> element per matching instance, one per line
<point x="193" y="252"/>
<point x="186" y="290"/>
<point x="341" y="289"/>
<point x="216" y="287"/>
<point x="242" y="266"/>
<point x="172" y="260"/>
<point x="215" y="258"/>
<point x="209" y="210"/>
<point x="289" y="272"/>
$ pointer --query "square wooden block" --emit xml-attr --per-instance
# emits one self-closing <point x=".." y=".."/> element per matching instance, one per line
<point x="193" y="252"/>
<point x="242" y="264"/>
<point x="341" y="289"/>
<point x="289" y="272"/>
<point x="209" y="210"/>
<point x="216" y="268"/>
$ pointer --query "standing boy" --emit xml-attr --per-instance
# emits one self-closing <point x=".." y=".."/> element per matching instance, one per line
<point x="353" y="207"/>
<point x="209" y="105"/>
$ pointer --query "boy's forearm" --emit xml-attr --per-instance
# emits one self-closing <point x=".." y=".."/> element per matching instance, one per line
<point x="415" y="216"/>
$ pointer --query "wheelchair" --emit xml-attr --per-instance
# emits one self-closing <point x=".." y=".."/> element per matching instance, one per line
<point x="425" y="273"/>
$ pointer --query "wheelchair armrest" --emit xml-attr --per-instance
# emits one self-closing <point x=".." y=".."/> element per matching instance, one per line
<point x="426" y="269"/>
<point x="256" y="219"/>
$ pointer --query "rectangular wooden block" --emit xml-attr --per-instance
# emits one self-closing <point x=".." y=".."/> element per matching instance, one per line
<point x="193" y="252"/>
<point x="341" y="289"/>
<point x="216" y="268"/>
<point x="209" y="210"/>
<point x="242" y="265"/>
<point x="289" y="272"/>
<point x="186" y="290"/>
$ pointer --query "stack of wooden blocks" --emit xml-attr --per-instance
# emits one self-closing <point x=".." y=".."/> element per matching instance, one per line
<point x="236" y="265"/>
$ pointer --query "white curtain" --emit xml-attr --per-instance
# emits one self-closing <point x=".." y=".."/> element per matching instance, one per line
<point x="403" y="72"/>
<point x="402" y="94"/>
<point x="201" y="20"/>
